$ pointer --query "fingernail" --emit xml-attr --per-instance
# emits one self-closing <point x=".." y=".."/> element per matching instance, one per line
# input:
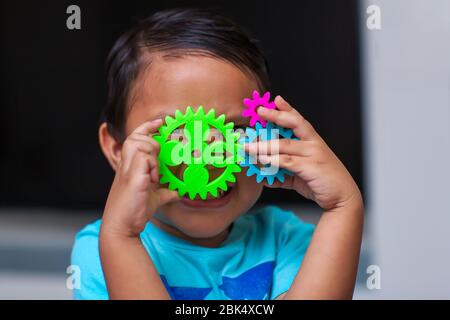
<point x="248" y="145"/>
<point x="263" y="159"/>
<point x="157" y="120"/>
<point x="262" y="110"/>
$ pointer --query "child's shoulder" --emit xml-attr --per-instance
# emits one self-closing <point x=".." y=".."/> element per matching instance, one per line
<point x="274" y="215"/>
<point x="278" y="220"/>
<point x="91" y="229"/>
<point x="85" y="255"/>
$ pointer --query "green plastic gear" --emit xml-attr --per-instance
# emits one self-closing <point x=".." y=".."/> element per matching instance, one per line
<point x="196" y="175"/>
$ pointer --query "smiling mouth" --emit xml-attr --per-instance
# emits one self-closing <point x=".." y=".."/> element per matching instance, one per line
<point x="223" y="197"/>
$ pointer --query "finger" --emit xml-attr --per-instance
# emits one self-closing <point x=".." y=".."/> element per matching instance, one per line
<point x="142" y="163"/>
<point x="130" y="148"/>
<point x="282" y="104"/>
<point x="287" y="184"/>
<point x="145" y="139"/>
<point x="139" y="173"/>
<point x="289" y="162"/>
<point x="148" y="127"/>
<point x="143" y="146"/>
<point x="145" y="165"/>
<point x="166" y="196"/>
<point x="289" y="119"/>
<point x="277" y="146"/>
<point x="154" y="173"/>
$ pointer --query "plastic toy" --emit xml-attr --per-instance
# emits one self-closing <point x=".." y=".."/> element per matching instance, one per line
<point x="253" y="104"/>
<point x="196" y="152"/>
<point x="262" y="134"/>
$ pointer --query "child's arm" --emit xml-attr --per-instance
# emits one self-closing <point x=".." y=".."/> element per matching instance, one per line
<point x="134" y="196"/>
<point x="329" y="268"/>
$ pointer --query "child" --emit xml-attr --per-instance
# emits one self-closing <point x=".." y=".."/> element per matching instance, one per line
<point x="153" y="244"/>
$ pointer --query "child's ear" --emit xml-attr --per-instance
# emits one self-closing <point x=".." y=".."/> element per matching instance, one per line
<point x="111" y="148"/>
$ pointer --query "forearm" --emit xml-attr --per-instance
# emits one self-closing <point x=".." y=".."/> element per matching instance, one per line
<point x="129" y="271"/>
<point x="329" y="268"/>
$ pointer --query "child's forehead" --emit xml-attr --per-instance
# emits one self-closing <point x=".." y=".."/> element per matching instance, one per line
<point x="175" y="84"/>
<point x="232" y="112"/>
<point x="147" y="112"/>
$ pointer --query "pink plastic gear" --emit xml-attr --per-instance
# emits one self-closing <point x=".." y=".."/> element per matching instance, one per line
<point x="253" y="104"/>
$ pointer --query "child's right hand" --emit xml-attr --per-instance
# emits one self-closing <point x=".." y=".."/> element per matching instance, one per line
<point x="135" y="193"/>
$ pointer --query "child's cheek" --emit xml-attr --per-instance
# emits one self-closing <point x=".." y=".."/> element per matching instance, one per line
<point x="248" y="186"/>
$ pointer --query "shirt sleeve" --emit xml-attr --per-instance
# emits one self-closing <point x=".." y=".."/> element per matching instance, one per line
<point x="293" y="238"/>
<point x="86" y="257"/>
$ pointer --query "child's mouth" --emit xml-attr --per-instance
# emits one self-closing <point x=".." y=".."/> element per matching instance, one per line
<point x="223" y="197"/>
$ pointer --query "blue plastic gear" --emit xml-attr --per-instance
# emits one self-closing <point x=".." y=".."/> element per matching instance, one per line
<point x="251" y="135"/>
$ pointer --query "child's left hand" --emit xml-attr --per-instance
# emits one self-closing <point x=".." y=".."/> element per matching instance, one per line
<point x="318" y="174"/>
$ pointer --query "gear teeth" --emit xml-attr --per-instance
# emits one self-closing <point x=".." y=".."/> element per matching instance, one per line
<point x="200" y="112"/>
<point x="211" y="114"/>
<point x="229" y="126"/>
<point x="231" y="179"/>
<point x="165" y="131"/>
<point x="221" y="119"/>
<point x="251" y="171"/>
<point x="171" y="186"/>
<point x="259" y="178"/>
<point x="163" y="179"/>
<point x="223" y="185"/>
<point x="203" y="194"/>
<point x="157" y="138"/>
<point x="270" y="179"/>
<point x="189" y="111"/>
<point x="192" y="194"/>
<point x="258" y="126"/>
<point x="178" y="114"/>
<point x="169" y="120"/>
<point x="237" y="168"/>
<point x="213" y="192"/>
<point x="181" y="191"/>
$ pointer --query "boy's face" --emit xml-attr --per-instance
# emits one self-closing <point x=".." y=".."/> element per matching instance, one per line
<point x="175" y="83"/>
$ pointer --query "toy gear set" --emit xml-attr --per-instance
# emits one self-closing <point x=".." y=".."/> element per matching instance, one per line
<point x="195" y="152"/>
<point x="264" y="130"/>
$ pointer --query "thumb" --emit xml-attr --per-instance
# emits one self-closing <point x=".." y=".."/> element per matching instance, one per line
<point x="166" y="196"/>
<point x="287" y="184"/>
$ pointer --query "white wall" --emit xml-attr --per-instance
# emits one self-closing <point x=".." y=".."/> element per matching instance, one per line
<point x="406" y="68"/>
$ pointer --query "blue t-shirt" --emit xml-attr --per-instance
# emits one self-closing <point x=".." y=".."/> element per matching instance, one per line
<point x="258" y="260"/>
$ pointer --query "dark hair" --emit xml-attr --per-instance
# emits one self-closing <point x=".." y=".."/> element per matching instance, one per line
<point x="175" y="32"/>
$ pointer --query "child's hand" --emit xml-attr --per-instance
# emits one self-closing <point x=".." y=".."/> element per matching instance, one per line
<point x="318" y="174"/>
<point x="135" y="193"/>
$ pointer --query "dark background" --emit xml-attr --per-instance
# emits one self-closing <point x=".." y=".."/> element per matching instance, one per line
<point x="53" y="87"/>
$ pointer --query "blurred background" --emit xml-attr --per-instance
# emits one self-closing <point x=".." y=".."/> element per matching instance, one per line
<point x="372" y="76"/>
